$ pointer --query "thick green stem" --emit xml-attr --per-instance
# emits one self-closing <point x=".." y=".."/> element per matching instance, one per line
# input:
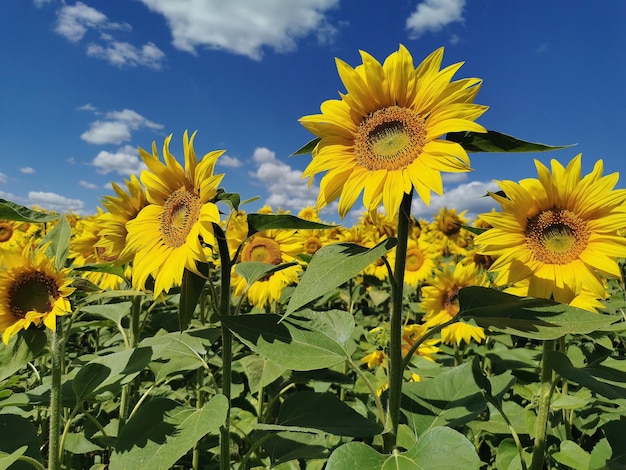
<point x="395" y="321"/>
<point x="54" y="452"/>
<point x="133" y="338"/>
<point x="543" y="412"/>
<point x="227" y="343"/>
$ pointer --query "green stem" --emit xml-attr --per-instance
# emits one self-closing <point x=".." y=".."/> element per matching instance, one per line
<point x="227" y="343"/>
<point x="395" y="321"/>
<point x="31" y="461"/>
<point x="379" y="405"/>
<point x="133" y="339"/>
<point x="543" y="412"/>
<point x="54" y="452"/>
<point x="199" y="404"/>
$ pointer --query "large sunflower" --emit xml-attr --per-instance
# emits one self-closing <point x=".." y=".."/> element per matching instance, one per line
<point x="168" y="234"/>
<point x="557" y="232"/>
<point x="32" y="291"/>
<point x="383" y="137"/>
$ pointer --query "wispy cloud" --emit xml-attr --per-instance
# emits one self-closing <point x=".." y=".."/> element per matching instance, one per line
<point x="433" y="15"/>
<point x="229" y="162"/>
<point x="244" y="27"/>
<point x="3" y="178"/>
<point x="87" y="185"/>
<point x="468" y="196"/>
<point x="124" y="162"/>
<point x="116" y="127"/>
<point x="27" y="170"/>
<point x="75" y="21"/>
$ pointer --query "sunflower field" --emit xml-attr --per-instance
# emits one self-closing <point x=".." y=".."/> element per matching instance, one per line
<point x="176" y="329"/>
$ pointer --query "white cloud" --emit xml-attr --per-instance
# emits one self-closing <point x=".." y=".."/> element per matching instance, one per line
<point x="87" y="185"/>
<point x="117" y="127"/>
<point x="40" y="3"/>
<point x="74" y="22"/>
<point x="433" y="15"/>
<point x="468" y="196"/>
<point x="87" y="107"/>
<point x="27" y="170"/>
<point x="3" y="178"/>
<point x="125" y="54"/>
<point x="285" y="186"/>
<point x="124" y="162"/>
<point x="245" y="26"/>
<point x="229" y="162"/>
<point x="55" y="202"/>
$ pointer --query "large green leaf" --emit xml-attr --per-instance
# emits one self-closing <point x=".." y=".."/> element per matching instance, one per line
<point x="437" y="449"/>
<point x="59" y="238"/>
<point x="190" y="291"/>
<point x="307" y="341"/>
<point x="452" y="398"/>
<point x="492" y="141"/>
<point x="18" y="432"/>
<point x="252" y="271"/>
<point x="564" y="367"/>
<point x="572" y="456"/>
<point x="260" y="371"/>
<point x="12" y="211"/>
<point x="324" y="412"/>
<point x="113" y="311"/>
<point x="23" y="349"/>
<point x="260" y="222"/>
<point x="331" y="266"/>
<point x="163" y="431"/>
<point x="88" y="379"/>
<point x="527" y="317"/>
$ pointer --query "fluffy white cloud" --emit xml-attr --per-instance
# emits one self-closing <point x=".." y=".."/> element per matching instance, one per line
<point x="87" y="185"/>
<point x="245" y="26"/>
<point x="74" y="21"/>
<point x="229" y="162"/>
<point x="125" y="54"/>
<point x="27" y="170"/>
<point x="433" y="15"/>
<point x="55" y="202"/>
<point x="469" y="196"/>
<point x="116" y="127"/>
<point x="124" y="162"/>
<point x="3" y="178"/>
<point x="285" y="186"/>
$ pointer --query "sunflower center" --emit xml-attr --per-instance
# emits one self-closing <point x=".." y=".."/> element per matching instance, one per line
<point x="311" y="245"/>
<point x="414" y="259"/>
<point x="180" y="212"/>
<point x="390" y="138"/>
<point x="557" y="236"/>
<point x="32" y="291"/>
<point x="449" y="225"/>
<point x="263" y="250"/>
<point x="451" y="301"/>
<point x="6" y="232"/>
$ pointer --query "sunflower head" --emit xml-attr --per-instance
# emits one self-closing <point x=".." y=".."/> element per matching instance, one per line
<point x="32" y="292"/>
<point x="383" y="137"/>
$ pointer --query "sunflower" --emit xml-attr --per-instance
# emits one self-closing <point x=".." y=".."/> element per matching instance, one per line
<point x="383" y="136"/>
<point x="120" y="209"/>
<point x="440" y="302"/>
<point x="32" y="291"/>
<point x="11" y="237"/>
<point x="273" y="247"/>
<point x="168" y="234"/>
<point x="557" y="232"/>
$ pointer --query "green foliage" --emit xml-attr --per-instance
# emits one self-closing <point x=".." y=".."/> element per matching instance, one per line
<point x="492" y="141"/>
<point x="12" y="211"/>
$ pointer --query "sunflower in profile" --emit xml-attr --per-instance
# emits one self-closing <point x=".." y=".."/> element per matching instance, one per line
<point x="440" y="302"/>
<point x="169" y="234"/>
<point x="32" y="291"/>
<point x="383" y="137"/>
<point x="558" y="232"/>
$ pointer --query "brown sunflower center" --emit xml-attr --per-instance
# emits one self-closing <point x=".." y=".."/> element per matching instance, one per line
<point x="451" y="301"/>
<point x="414" y="259"/>
<point x="180" y="212"/>
<point x="449" y="225"/>
<point x="390" y="138"/>
<point x="6" y="232"/>
<point x="311" y="245"/>
<point x="32" y="291"/>
<point x="557" y="236"/>
<point x="263" y="250"/>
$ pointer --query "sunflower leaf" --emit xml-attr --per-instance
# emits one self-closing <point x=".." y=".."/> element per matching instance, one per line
<point x="252" y="271"/>
<point x="331" y="266"/>
<point x="232" y="199"/>
<point x="190" y="291"/>
<point x="12" y="211"/>
<point x="306" y="148"/>
<point x="492" y="141"/>
<point x="260" y="222"/>
<point x="527" y="317"/>
<point x="59" y="239"/>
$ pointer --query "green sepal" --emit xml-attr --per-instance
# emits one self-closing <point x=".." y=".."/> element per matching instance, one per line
<point x="307" y="148"/>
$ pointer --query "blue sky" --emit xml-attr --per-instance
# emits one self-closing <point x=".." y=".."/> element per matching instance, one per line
<point x="83" y="84"/>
